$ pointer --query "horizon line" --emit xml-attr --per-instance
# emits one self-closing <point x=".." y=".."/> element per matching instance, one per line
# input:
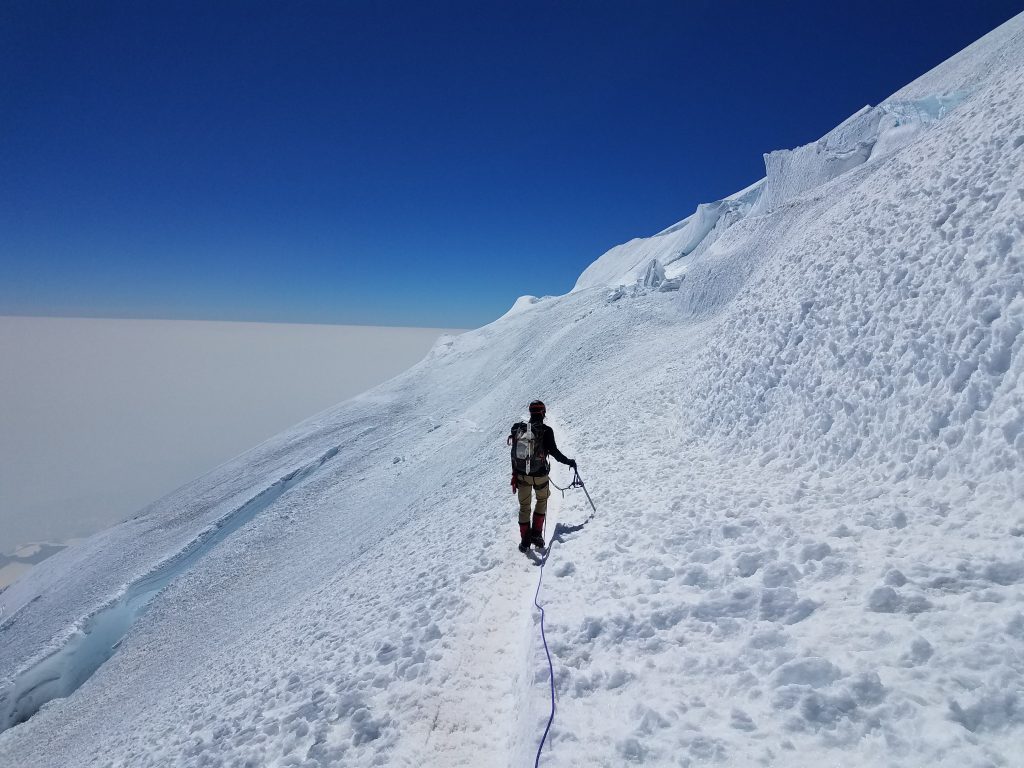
<point x="27" y="316"/>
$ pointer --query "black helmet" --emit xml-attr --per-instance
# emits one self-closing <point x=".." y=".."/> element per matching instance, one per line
<point x="537" y="408"/>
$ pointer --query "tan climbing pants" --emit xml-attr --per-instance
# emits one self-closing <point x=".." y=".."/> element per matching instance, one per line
<point x="526" y="485"/>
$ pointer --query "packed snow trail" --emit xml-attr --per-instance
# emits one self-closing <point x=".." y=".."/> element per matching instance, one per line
<point x="806" y="439"/>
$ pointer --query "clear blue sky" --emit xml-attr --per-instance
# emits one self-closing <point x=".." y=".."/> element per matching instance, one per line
<point x="402" y="163"/>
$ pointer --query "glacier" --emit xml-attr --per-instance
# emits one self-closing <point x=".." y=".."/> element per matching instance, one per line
<point x="800" y="414"/>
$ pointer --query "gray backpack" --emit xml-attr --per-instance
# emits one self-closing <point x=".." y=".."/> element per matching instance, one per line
<point x="528" y="455"/>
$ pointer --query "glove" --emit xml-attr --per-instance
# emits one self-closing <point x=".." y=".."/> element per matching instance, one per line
<point x="515" y="483"/>
<point x="572" y="463"/>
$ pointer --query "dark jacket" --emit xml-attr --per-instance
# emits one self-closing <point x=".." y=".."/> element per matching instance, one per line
<point x="550" y="449"/>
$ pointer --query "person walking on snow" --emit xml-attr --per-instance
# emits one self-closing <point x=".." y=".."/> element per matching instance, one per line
<point x="532" y="443"/>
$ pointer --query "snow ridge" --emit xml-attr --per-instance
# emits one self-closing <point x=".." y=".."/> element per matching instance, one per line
<point x="868" y="135"/>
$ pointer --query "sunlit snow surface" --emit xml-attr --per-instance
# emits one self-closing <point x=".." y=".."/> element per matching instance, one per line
<point x="808" y="462"/>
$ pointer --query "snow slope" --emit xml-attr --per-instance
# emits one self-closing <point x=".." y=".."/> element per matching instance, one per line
<point x="805" y="440"/>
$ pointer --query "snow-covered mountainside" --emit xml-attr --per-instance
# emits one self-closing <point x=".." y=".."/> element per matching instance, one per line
<point x="800" y="413"/>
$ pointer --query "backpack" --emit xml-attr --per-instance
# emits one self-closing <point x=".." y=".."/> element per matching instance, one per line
<point x="528" y="456"/>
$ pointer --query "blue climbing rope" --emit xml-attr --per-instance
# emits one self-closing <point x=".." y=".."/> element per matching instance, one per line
<point x="556" y="536"/>
<point x="547" y="652"/>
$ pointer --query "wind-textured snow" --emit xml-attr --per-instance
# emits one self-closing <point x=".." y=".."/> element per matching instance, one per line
<point x="801" y="417"/>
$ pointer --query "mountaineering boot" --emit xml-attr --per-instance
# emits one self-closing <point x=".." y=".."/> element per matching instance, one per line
<point x="537" y="534"/>
<point x="524" y="536"/>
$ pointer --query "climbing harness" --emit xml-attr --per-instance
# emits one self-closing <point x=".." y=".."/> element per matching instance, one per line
<point x="556" y="536"/>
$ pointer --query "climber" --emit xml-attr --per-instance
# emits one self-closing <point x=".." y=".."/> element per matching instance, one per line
<point x="532" y="443"/>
